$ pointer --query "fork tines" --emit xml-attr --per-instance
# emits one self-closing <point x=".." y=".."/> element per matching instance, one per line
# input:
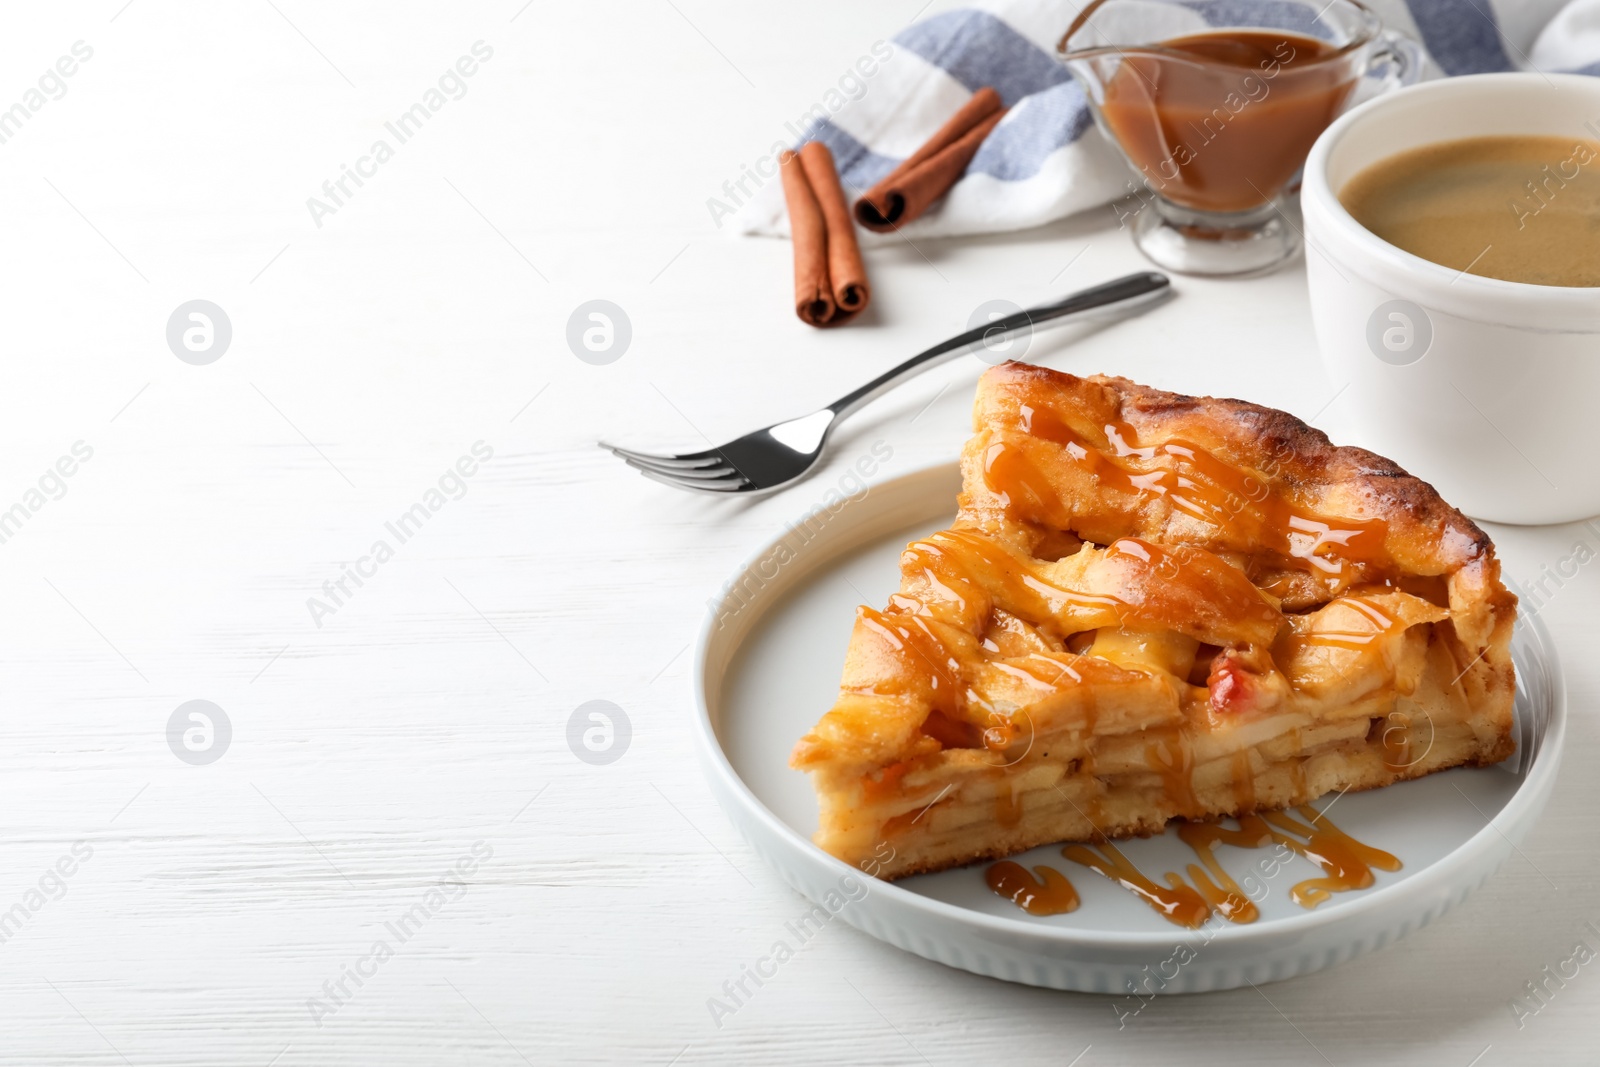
<point x="707" y="471"/>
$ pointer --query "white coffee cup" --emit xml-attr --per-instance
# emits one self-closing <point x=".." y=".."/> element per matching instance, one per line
<point x="1486" y="388"/>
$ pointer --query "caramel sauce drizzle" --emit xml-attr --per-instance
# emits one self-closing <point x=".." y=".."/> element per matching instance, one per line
<point x="1021" y="486"/>
<point x="1007" y="806"/>
<point x="1222" y="893"/>
<point x="1396" y="750"/>
<point x="953" y="556"/>
<point x="1050" y="893"/>
<point x="1171" y="759"/>
<point x="912" y="634"/>
<point x="1379" y="626"/>
<point x="1035" y="673"/>
<point x="969" y="574"/>
<point x="952" y="561"/>
<point x="1346" y="863"/>
<point x="1177" y="902"/>
<point x="916" y="641"/>
<point x="1197" y="483"/>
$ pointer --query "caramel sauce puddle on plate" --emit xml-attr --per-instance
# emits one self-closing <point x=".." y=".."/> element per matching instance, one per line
<point x="1210" y="890"/>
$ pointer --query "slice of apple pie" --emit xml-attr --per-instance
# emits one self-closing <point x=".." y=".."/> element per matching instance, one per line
<point x="1154" y="606"/>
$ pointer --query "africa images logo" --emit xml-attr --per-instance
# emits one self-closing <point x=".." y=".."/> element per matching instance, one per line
<point x="1399" y="332"/>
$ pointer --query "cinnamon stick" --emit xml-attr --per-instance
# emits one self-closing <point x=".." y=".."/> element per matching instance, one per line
<point x="813" y="294"/>
<point x="929" y="172"/>
<point x="846" y="271"/>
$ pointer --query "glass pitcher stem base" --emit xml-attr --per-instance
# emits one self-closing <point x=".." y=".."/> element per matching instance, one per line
<point x="1217" y="246"/>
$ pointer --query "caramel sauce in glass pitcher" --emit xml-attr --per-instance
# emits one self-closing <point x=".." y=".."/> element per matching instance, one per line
<point x="1221" y="121"/>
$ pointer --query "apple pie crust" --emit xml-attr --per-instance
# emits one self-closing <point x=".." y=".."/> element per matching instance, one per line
<point x="1154" y="606"/>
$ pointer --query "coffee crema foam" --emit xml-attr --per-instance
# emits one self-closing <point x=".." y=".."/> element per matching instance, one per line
<point x="1515" y="207"/>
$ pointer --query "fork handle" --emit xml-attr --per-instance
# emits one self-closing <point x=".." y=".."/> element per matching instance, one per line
<point x="1114" y="298"/>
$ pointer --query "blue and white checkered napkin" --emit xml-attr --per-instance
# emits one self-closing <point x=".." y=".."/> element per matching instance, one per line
<point x="1046" y="160"/>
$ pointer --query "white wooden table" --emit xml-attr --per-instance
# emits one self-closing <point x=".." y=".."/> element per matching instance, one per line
<point x="398" y="770"/>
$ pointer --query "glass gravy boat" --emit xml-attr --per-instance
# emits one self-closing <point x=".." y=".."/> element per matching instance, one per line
<point x="1215" y="105"/>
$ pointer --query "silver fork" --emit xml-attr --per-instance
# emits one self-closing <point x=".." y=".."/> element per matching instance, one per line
<point x="768" y="459"/>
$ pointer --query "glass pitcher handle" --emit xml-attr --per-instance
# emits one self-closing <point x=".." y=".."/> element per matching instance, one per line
<point x="1399" y="57"/>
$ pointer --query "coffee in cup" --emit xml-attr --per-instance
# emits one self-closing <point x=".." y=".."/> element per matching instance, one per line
<point x="1518" y="207"/>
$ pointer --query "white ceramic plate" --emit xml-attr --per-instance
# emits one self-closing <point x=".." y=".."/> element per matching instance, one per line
<point x="767" y="665"/>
